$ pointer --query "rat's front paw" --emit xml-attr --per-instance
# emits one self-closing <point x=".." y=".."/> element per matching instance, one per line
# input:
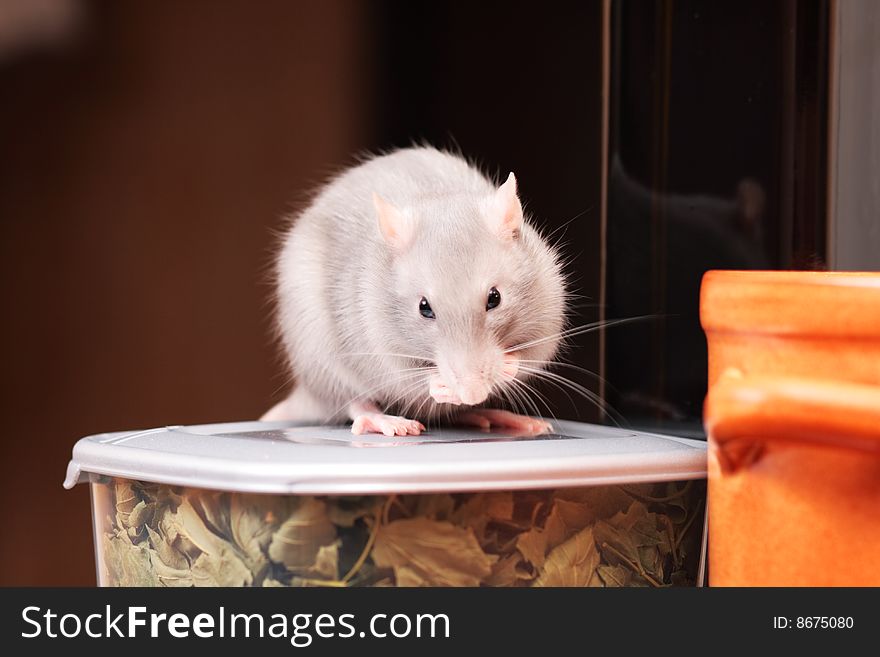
<point x="390" y="425"/>
<point x="492" y="418"/>
<point x="441" y="393"/>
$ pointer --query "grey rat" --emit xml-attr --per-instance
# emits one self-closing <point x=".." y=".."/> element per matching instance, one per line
<point x="413" y="289"/>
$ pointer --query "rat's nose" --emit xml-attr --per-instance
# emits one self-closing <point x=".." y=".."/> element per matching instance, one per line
<point x="472" y="392"/>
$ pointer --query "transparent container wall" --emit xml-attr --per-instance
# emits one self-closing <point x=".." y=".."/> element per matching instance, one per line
<point x="633" y="535"/>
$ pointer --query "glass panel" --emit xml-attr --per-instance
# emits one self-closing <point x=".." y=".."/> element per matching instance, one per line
<point x="718" y="131"/>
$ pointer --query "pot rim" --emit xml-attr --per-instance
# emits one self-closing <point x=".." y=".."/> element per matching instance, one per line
<point x="799" y="303"/>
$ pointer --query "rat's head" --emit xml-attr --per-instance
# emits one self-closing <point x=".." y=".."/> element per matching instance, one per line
<point x="475" y="290"/>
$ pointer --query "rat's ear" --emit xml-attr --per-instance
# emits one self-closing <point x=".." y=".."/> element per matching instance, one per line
<point x="505" y="211"/>
<point x="395" y="228"/>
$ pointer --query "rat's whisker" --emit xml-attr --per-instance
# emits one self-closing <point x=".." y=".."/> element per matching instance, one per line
<point x="287" y="381"/>
<point x="543" y="398"/>
<point x="600" y="403"/>
<point x="565" y="387"/>
<point x="414" y="382"/>
<point x="408" y="372"/>
<point x="518" y="405"/>
<point x="504" y="391"/>
<point x="365" y="354"/>
<point x="523" y="393"/>
<point x="536" y="393"/>
<point x="555" y="336"/>
<point x="577" y="330"/>
<point x="549" y="364"/>
<point x="406" y="392"/>
<point x="365" y="396"/>
<point x="421" y="406"/>
<point x="559" y="363"/>
<point x="527" y="400"/>
<point x="528" y="407"/>
<point x="561" y="389"/>
<point x="510" y="399"/>
<point x="414" y="398"/>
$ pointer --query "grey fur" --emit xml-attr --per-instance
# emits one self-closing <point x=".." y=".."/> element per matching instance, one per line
<point x="343" y="292"/>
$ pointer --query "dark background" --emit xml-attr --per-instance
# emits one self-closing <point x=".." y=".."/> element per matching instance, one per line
<point x="149" y="153"/>
<point x="147" y="157"/>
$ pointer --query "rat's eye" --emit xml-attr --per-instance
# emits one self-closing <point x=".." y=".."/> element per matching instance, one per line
<point x="494" y="299"/>
<point x="425" y="309"/>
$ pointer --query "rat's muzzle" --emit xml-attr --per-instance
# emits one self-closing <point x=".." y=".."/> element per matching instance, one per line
<point x="469" y="391"/>
<point x="472" y="392"/>
<point x="470" y="376"/>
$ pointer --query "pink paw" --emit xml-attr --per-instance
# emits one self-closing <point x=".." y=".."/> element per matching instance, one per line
<point x="441" y="393"/>
<point x="390" y="425"/>
<point x="492" y="418"/>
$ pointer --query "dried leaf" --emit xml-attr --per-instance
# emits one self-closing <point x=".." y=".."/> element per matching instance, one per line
<point x="572" y="563"/>
<point x="126" y="500"/>
<point x="626" y="532"/>
<point x="479" y="510"/>
<point x="300" y="537"/>
<point x="187" y="525"/>
<point x="603" y="501"/>
<point x="496" y="505"/>
<point x="159" y="535"/>
<point x="127" y="564"/>
<point x="252" y="521"/>
<point x="168" y="527"/>
<point x="141" y="514"/>
<point x="213" y="509"/>
<point x="680" y="578"/>
<point x="345" y="511"/>
<point x="168" y="576"/>
<point x="498" y="540"/>
<point x="614" y="575"/>
<point x="437" y="507"/>
<point x="326" y="562"/>
<point x="426" y="552"/>
<point x="507" y="572"/>
<point x="166" y="552"/>
<point x="223" y="568"/>
<point x="536" y="543"/>
<point x="575" y="515"/>
<point x="677" y="501"/>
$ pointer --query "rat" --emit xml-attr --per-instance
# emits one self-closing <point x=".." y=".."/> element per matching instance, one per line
<point x="413" y="289"/>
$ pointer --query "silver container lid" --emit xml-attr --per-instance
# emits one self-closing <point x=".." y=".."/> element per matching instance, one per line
<point x="282" y="457"/>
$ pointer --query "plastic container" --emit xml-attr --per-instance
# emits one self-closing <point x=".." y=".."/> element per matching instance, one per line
<point x="273" y="504"/>
<point x="793" y="416"/>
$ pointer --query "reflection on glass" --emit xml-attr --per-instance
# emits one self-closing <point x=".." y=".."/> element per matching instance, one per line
<point x="717" y="162"/>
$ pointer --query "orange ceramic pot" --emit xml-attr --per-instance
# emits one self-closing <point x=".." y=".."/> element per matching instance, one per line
<point x="793" y="417"/>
